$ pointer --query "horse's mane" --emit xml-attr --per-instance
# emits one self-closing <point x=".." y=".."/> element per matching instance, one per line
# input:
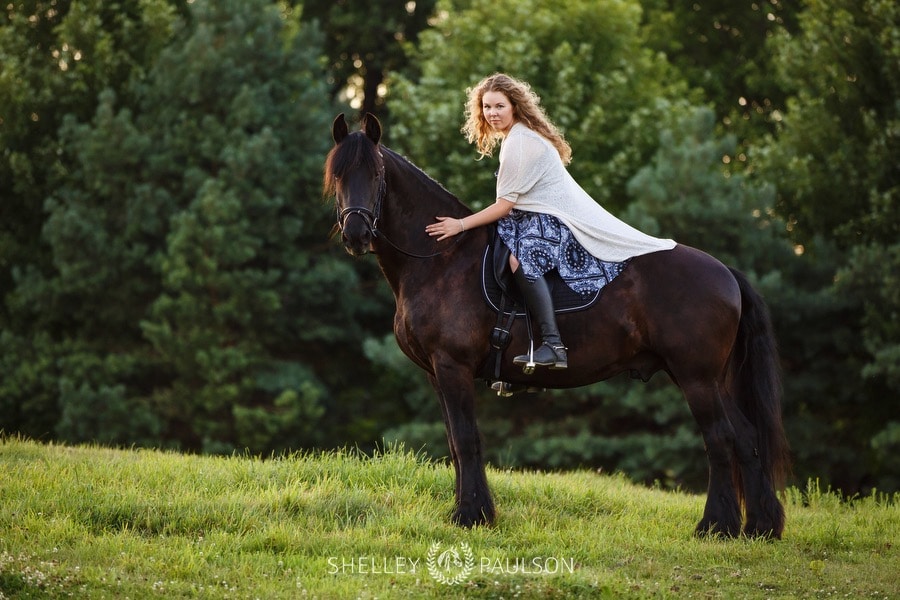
<point x="422" y="175"/>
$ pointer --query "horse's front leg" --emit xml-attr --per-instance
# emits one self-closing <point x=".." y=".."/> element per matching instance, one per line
<point x="455" y="386"/>
<point x="454" y="459"/>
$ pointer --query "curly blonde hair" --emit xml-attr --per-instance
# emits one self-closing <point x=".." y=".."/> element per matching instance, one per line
<point x="526" y="106"/>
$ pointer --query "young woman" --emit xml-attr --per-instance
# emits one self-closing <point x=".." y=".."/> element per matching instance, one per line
<point x="545" y="218"/>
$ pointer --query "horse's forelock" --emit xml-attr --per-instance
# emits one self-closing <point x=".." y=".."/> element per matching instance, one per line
<point x="354" y="151"/>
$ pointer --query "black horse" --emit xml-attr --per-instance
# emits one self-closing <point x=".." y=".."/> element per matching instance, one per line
<point x="681" y="311"/>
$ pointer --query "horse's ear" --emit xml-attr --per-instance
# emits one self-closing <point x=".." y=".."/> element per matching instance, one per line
<point x="372" y="128"/>
<point x="339" y="129"/>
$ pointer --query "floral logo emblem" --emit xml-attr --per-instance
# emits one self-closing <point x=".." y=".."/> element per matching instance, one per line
<point x="451" y="566"/>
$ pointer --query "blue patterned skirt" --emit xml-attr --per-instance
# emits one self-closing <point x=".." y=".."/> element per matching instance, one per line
<point x="542" y="243"/>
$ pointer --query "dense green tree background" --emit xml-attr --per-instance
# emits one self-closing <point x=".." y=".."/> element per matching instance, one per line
<point x="167" y="277"/>
<point x="364" y="41"/>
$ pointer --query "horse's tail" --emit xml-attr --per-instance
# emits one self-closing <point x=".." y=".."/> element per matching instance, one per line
<point x="757" y="389"/>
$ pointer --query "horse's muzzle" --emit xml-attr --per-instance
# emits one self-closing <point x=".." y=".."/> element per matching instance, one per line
<point x="357" y="226"/>
<point x="357" y="243"/>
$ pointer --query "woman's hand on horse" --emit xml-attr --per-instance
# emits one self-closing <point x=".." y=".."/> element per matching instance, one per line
<point x="446" y="227"/>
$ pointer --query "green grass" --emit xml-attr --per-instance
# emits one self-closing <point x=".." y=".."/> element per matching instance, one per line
<point x="89" y="522"/>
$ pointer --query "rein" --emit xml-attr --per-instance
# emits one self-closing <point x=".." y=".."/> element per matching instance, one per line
<point x="372" y="217"/>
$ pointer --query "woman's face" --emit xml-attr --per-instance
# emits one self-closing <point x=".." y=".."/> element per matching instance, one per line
<point x="497" y="111"/>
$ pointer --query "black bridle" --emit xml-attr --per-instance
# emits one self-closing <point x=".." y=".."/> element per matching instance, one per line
<point x="372" y="217"/>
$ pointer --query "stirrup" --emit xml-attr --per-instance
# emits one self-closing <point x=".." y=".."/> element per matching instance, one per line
<point x="502" y="388"/>
<point x="506" y="389"/>
<point x="527" y="360"/>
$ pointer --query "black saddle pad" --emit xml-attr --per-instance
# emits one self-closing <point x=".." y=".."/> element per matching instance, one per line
<point x="496" y="280"/>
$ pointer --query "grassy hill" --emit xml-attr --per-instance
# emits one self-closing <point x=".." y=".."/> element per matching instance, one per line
<point x="89" y="522"/>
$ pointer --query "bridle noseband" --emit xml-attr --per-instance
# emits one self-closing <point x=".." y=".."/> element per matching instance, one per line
<point x="367" y="215"/>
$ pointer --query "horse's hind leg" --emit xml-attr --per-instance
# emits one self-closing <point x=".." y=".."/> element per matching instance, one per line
<point x="765" y="514"/>
<point x="722" y="514"/>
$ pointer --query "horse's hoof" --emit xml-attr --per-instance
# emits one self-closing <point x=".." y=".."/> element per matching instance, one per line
<point x="761" y="531"/>
<point x="468" y="519"/>
<point x="707" y="529"/>
<point x="768" y="534"/>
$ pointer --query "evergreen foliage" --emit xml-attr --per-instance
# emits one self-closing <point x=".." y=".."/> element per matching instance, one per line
<point x="365" y="41"/>
<point x="190" y="291"/>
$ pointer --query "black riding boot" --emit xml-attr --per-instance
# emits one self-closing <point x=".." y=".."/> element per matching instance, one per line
<point x="539" y="302"/>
